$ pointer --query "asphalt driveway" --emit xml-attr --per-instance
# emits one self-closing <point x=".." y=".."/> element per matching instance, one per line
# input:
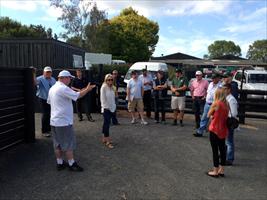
<point x="149" y="162"/>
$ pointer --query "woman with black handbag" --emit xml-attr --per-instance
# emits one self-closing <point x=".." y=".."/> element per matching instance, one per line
<point x="232" y="124"/>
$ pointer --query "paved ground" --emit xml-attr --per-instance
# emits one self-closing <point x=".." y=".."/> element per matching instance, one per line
<point x="151" y="162"/>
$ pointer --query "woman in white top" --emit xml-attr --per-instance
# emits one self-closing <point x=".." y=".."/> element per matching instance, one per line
<point x="108" y="108"/>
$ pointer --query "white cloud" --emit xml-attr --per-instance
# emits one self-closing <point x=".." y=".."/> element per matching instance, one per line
<point x="166" y="8"/>
<point x="29" y="6"/>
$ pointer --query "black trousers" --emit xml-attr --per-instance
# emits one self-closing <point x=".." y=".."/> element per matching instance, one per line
<point x="147" y="102"/>
<point x="83" y="103"/>
<point x="107" y="118"/>
<point x="159" y="106"/>
<point x="198" y="107"/>
<point x="46" y="111"/>
<point x="218" y="145"/>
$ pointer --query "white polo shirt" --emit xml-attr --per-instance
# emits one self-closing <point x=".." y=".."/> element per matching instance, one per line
<point x="60" y="98"/>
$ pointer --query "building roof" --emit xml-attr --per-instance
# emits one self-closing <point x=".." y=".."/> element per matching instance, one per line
<point x="229" y="57"/>
<point x="176" y="56"/>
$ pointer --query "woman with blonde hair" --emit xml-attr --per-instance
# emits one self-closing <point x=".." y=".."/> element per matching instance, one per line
<point x="108" y="108"/>
<point x="218" y="132"/>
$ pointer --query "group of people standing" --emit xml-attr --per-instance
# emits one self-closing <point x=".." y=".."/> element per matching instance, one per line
<point x="212" y="103"/>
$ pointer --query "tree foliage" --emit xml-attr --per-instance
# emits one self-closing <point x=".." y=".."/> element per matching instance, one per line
<point x="12" y="29"/>
<point x="222" y="47"/>
<point x="258" y="51"/>
<point x="75" y="16"/>
<point x="132" y="36"/>
<point x="97" y="31"/>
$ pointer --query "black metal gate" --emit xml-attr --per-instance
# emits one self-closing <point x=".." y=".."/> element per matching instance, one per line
<point x="16" y="106"/>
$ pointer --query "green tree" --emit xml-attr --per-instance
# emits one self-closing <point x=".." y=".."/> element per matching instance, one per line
<point x="223" y="47"/>
<point x="97" y="31"/>
<point x="258" y="51"/>
<point x="132" y="37"/>
<point x="75" y="15"/>
<point x="12" y="29"/>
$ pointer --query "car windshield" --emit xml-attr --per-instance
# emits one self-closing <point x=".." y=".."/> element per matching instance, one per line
<point x="139" y="72"/>
<point x="257" y="78"/>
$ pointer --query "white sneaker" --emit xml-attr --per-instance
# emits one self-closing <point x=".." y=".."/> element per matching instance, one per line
<point x="144" y="122"/>
<point x="133" y="121"/>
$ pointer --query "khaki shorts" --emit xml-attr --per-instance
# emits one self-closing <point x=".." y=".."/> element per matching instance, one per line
<point x="178" y="103"/>
<point x="136" y="104"/>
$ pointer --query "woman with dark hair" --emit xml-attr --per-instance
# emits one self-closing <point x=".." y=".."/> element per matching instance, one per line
<point x="218" y="132"/>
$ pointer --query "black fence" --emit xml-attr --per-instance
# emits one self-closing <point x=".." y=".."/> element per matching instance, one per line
<point x="16" y="106"/>
<point x="38" y="53"/>
<point x="252" y="104"/>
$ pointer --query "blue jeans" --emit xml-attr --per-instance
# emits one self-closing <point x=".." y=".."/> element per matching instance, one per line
<point x="107" y="118"/>
<point x="230" y="145"/>
<point x="204" y="119"/>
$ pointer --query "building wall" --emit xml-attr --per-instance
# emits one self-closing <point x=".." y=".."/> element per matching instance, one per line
<point x="37" y="53"/>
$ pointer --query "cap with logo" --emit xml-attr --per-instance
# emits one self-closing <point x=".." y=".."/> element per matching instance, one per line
<point x="65" y="73"/>
<point x="215" y="75"/>
<point x="47" y="69"/>
<point x="178" y="71"/>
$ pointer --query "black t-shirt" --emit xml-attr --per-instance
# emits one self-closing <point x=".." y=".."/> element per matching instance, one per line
<point x="160" y="93"/>
<point x="79" y="83"/>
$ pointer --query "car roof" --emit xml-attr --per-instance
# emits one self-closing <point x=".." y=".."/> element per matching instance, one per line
<point x="254" y="71"/>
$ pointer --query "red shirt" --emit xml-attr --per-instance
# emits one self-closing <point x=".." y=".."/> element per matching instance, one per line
<point x="218" y="123"/>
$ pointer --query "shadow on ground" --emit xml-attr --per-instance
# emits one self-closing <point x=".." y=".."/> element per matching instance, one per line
<point x="149" y="162"/>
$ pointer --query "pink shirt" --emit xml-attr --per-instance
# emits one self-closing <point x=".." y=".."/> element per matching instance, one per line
<point x="199" y="88"/>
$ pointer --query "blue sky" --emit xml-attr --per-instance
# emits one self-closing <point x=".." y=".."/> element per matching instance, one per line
<point x="185" y="26"/>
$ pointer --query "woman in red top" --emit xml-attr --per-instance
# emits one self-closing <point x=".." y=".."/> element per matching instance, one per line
<point x="218" y="132"/>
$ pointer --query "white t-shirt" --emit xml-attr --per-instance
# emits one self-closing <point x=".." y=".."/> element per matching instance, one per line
<point x="145" y="79"/>
<point x="60" y="98"/>
<point x="211" y="91"/>
<point x="135" y="87"/>
<point x="233" y="105"/>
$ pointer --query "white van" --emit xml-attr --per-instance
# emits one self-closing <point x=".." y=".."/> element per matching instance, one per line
<point x="151" y="67"/>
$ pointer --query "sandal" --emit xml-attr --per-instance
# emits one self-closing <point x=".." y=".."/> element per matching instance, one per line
<point x="210" y="173"/>
<point x="109" y="145"/>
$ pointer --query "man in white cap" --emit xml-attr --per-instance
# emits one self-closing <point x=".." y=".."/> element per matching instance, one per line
<point x="44" y="83"/>
<point x="198" y="88"/>
<point x="60" y="98"/>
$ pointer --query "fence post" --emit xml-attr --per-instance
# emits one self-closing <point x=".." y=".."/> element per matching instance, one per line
<point x="242" y="106"/>
<point x="29" y="97"/>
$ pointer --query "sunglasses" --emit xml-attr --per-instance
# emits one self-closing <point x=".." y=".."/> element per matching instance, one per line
<point x="109" y="79"/>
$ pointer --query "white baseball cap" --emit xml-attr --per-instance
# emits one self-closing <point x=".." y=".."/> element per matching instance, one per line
<point x="198" y="73"/>
<point x="65" y="73"/>
<point x="47" y="69"/>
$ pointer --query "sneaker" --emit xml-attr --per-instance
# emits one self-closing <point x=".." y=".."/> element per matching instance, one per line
<point x="197" y="135"/>
<point x="46" y="134"/>
<point x="90" y="119"/>
<point x="75" y="167"/>
<point x="61" y="166"/>
<point x="144" y="122"/>
<point x="229" y="163"/>
<point x="133" y="121"/>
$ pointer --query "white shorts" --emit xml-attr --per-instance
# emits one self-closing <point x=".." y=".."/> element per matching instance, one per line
<point x="178" y="103"/>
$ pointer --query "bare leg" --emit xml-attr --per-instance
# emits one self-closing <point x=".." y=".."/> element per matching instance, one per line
<point x="69" y="154"/>
<point x="58" y="153"/>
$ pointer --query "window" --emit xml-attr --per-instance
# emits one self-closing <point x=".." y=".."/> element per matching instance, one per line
<point x="257" y="78"/>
